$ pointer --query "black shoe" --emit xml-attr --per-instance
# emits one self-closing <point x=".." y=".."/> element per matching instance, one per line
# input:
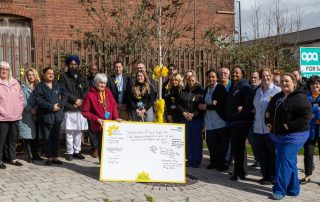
<point x="223" y="168"/>
<point x="234" y="178"/>
<point x="57" y="161"/>
<point x="255" y="165"/>
<point x="48" y="162"/>
<point x="16" y="163"/>
<point x="78" y="156"/>
<point x="242" y="177"/>
<point x="210" y="167"/>
<point x="195" y="166"/>
<point x="2" y="166"/>
<point x="30" y="160"/>
<point x="264" y="182"/>
<point x="305" y="181"/>
<point x="37" y="157"/>
<point x="188" y="164"/>
<point x="69" y="157"/>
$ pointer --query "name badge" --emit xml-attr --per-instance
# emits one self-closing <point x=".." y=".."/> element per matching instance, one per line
<point x="107" y="115"/>
<point x="139" y="104"/>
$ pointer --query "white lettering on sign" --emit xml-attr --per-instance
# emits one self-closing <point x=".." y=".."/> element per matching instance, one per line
<point x="309" y="56"/>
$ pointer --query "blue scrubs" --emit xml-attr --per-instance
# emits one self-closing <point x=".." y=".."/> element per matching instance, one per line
<point x="287" y="148"/>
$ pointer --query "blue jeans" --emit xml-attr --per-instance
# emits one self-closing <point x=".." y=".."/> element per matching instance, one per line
<point x="194" y="141"/>
<point x="286" y="169"/>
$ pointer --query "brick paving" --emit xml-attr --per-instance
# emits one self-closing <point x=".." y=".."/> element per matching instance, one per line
<point x="77" y="181"/>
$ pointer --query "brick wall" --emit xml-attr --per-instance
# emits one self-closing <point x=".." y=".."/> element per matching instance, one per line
<point x="52" y="18"/>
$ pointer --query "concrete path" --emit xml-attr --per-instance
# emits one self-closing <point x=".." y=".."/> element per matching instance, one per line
<point x="77" y="181"/>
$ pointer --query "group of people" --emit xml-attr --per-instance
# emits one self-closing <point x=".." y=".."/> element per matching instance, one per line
<point x="279" y="114"/>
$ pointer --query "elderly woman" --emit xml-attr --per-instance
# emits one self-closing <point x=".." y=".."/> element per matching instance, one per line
<point x="11" y="99"/>
<point x="238" y="112"/>
<point x="287" y="117"/>
<point x="265" y="151"/>
<point x="50" y="99"/>
<point x="28" y="128"/>
<point x="187" y="104"/>
<point x="76" y="86"/>
<point x="313" y="86"/>
<point x="99" y="105"/>
<point x="174" y="87"/>
<point x="141" y="98"/>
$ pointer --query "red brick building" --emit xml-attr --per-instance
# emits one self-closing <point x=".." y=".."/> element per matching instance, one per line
<point x="52" y="18"/>
<point x="45" y="25"/>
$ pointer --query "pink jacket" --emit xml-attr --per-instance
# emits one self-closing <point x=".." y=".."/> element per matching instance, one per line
<point x="11" y="101"/>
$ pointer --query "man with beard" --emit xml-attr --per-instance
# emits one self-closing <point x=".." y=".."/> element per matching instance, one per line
<point x="76" y="87"/>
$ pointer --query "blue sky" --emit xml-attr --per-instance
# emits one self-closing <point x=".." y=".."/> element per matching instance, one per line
<point x="309" y="10"/>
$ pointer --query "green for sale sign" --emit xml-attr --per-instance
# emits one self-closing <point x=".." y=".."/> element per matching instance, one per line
<point x="310" y="61"/>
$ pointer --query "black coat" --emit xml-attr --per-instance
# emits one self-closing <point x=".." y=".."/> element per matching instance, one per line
<point x="46" y="98"/>
<point x="220" y="95"/>
<point x="171" y="96"/>
<point x="188" y="101"/>
<point x="147" y="100"/>
<point x="295" y="111"/>
<point x="74" y="88"/>
<point x="240" y="95"/>
<point x="125" y="88"/>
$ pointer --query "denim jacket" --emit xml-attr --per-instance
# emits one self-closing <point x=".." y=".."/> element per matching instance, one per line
<point x="260" y="102"/>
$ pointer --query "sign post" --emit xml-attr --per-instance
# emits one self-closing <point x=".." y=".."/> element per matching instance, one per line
<point x="310" y="61"/>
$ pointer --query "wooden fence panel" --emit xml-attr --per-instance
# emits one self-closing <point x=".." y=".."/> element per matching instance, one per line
<point x="43" y="52"/>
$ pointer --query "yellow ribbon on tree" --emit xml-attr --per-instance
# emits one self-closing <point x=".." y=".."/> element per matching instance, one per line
<point x="159" y="105"/>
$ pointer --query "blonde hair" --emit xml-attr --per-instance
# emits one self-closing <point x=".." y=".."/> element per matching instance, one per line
<point x="5" y="65"/>
<point x="36" y="75"/>
<point x="179" y="78"/>
<point x="140" y="90"/>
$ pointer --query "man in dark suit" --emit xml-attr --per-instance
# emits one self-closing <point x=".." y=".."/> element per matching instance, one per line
<point x="120" y="86"/>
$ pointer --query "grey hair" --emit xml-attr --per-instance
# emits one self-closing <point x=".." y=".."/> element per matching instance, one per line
<point x="100" y="77"/>
<point x="6" y="65"/>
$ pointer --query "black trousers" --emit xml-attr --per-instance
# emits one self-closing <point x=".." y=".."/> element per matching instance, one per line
<point x="217" y="140"/>
<point x="93" y="138"/>
<point x="265" y="154"/>
<point x="239" y="133"/>
<point x="308" y="155"/>
<point x="52" y="142"/>
<point x="99" y="139"/>
<point x="9" y="134"/>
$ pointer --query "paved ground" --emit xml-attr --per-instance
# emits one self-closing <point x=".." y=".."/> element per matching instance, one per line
<point x="77" y="181"/>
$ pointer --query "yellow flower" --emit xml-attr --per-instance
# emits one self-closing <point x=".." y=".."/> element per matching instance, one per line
<point x="157" y="72"/>
<point x="116" y="82"/>
<point x="164" y="71"/>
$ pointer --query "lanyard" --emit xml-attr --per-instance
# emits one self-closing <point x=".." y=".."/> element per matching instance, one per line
<point x="103" y="98"/>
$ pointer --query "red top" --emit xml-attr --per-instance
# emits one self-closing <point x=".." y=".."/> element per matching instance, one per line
<point x="93" y="108"/>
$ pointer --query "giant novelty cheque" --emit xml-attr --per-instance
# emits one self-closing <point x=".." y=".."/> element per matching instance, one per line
<point x="143" y="152"/>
